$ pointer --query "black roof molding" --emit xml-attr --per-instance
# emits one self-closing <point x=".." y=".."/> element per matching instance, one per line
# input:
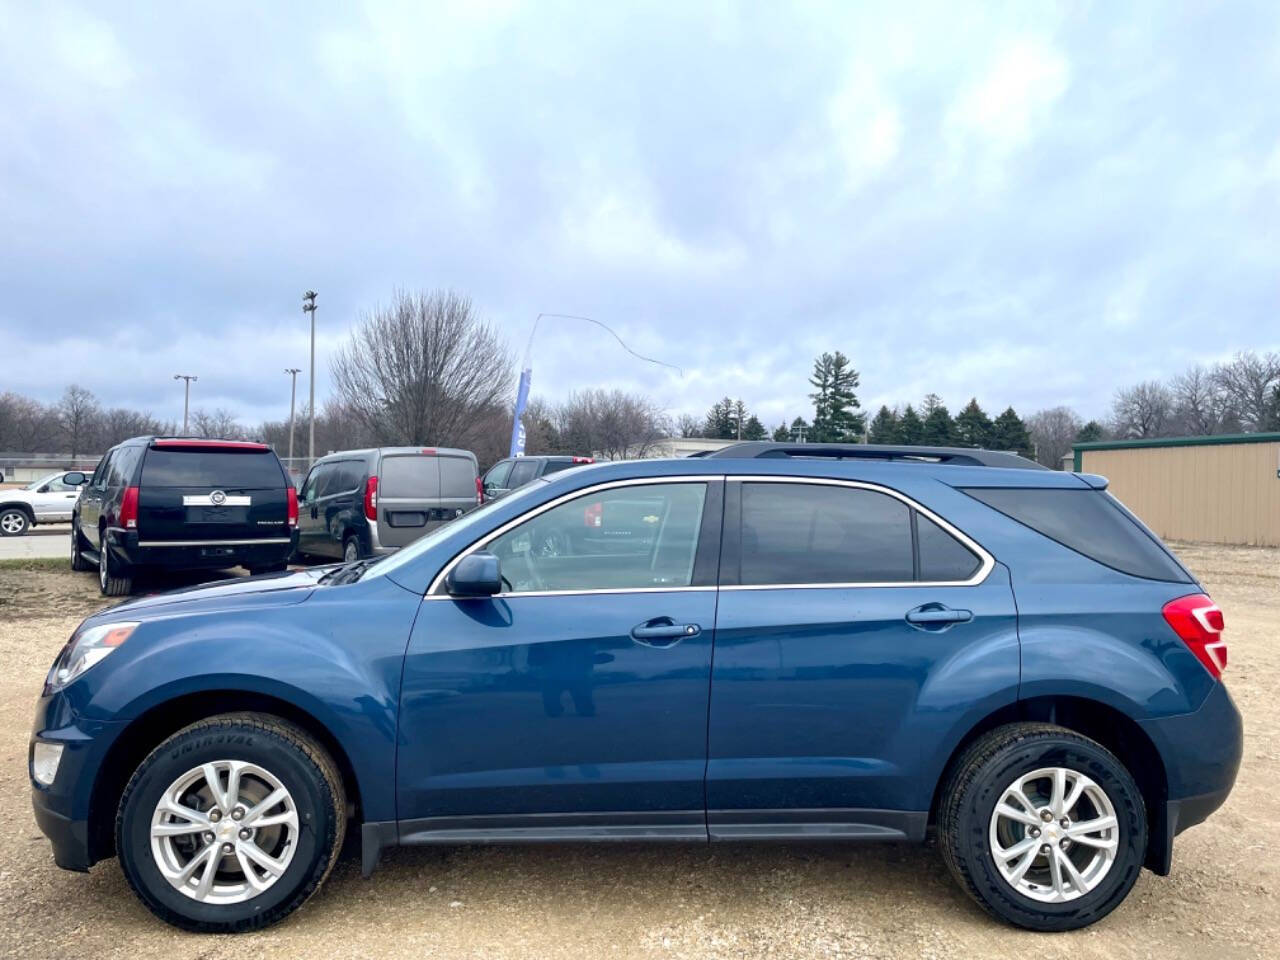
<point x="952" y="456"/>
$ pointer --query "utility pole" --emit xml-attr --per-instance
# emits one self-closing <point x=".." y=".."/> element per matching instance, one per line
<point x="186" y="398"/>
<point x="293" y="394"/>
<point x="309" y="306"/>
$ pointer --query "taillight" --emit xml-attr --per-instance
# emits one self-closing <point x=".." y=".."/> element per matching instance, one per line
<point x="129" y="509"/>
<point x="479" y="490"/>
<point x="293" y="505"/>
<point x="584" y="460"/>
<point x="593" y="515"/>
<point x="1198" y="622"/>
<point x="371" y="499"/>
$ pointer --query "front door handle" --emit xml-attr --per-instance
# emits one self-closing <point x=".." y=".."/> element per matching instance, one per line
<point x="653" y="633"/>
<point x="937" y="616"/>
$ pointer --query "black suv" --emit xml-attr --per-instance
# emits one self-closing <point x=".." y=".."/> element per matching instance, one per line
<point x="180" y="503"/>
<point x="506" y="475"/>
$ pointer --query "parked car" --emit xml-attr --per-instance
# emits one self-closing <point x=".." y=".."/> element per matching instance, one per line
<point x="183" y="503"/>
<point x="364" y="503"/>
<point x="47" y="500"/>
<point x="903" y="639"/>
<point x="514" y="472"/>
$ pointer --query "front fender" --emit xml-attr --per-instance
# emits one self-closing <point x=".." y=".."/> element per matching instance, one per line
<point x="337" y="657"/>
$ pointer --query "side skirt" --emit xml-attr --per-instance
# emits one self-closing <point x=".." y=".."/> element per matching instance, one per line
<point x="644" y="827"/>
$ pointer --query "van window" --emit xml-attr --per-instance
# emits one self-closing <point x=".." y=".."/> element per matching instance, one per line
<point x="457" y="478"/>
<point x="410" y="477"/>
<point x="800" y="533"/>
<point x="1089" y="522"/>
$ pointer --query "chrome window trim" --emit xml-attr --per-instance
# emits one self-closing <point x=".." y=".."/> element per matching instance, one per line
<point x="987" y="564"/>
<point x="484" y="541"/>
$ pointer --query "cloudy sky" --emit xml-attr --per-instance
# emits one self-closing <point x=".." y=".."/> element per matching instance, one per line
<point x="1033" y="203"/>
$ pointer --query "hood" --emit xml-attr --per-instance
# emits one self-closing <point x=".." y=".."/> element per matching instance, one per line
<point x="277" y="589"/>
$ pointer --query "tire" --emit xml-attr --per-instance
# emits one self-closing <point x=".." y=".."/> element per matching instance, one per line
<point x="1045" y="897"/>
<point x="14" y="522"/>
<point x="114" y="578"/>
<point x="350" y="550"/>
<point x="78" y="562"/>
<point x="279" y="754"/>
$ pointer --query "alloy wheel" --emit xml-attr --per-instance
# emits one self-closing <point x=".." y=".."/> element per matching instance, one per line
<point x="224" y="832"/>
<point x="13" y="523"/>
<point x="1054" y="835"/>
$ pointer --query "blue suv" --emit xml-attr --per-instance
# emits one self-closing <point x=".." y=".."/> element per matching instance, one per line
<point x="774" y="642"/>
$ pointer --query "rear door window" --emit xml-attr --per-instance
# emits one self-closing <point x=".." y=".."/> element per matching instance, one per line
<point x="1088" y="522"/>
<point x="799" y="533"/>
<point x="457" y="478"/>
<point x="346" y="477"/>
<point x="212" y="468"/>
<point x="522" y="473"/>
<point x="410" y="477"/>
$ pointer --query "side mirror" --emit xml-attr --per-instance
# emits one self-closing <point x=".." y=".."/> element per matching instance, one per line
<point x="475" y="575"/>
<point x="74" y="479"/>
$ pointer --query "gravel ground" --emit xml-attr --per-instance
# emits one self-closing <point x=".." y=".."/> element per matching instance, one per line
<point x="658" y="901"/>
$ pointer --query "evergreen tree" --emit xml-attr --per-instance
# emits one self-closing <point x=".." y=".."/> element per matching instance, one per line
<point x="782" y="434"/>
<point x="910" y="427"/>
<point x="1091" y="432"/>
<point x="973" y="426"/>
<point x="720" y="422"/>
<point x="1010" y="433"/>
<point x="836" y="416"/>
<point x="938" y="428"/>
<point x="884" y="428"/>
<point x="753" y="429"/>
<point x="738" y="419"/>
<point x="931" y="403"/>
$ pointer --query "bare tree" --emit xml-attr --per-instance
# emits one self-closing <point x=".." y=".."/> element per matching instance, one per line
<point x="1141" y="411"/>
<point x="611" y="424"/>
<point x="422" y="369"/>
<point x="1053" y="432"/>
<point x="121" y="423"/>
<point x="78" y="415"/>
<point x="1200" y="404"/>
<point x="27" y="426"/>
<point x="687" y="425"/>
<point x="217" y="423"/>
<point x="1248" y="380"/>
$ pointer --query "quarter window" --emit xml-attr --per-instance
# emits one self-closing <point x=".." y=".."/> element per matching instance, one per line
<point x="620" y="538"/>
<point x="811" y="533"/>
<point x="942" y="556"/>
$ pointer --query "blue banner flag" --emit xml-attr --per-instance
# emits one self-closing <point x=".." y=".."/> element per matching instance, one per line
<point x="517" y="427"/>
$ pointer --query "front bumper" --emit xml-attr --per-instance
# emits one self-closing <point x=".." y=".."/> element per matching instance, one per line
<point x="201" y="554"/>
<point x="62" y="809"/>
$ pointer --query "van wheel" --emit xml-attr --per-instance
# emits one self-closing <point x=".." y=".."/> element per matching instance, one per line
<point x="350" y="550"/>
<point x="78" y="562"/>
<point x="1043" y="827"/>
<point x="114" y="578"/>
<point x="13" y="522"/>
<point x="231" y="823"/>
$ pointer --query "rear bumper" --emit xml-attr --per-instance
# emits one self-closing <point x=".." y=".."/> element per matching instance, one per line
<point x="197" y="554"/>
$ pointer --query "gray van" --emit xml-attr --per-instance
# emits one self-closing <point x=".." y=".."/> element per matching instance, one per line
<point x="364" y="503"/>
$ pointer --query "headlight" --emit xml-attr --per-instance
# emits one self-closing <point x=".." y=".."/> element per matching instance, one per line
<point x="86" y="648"/>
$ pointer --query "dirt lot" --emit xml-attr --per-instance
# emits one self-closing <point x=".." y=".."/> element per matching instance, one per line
<point x="1223" y="899"/>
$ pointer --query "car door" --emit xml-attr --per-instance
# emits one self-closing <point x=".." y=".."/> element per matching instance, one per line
<point x="572" y="704"/>
<point x="523" y="471"/>
<point x="494" y="484"/>
<point x="53" y="500"/>
<point x="854" y="631"/>
<point x="311" y="526"/>
<point x="91" y="501"/>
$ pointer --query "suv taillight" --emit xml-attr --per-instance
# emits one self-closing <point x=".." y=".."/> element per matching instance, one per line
<point x="371" y="499"/>
<point x="479" y="490"/>
<point x="129" y="509"/>
<point x="1198" y="622"/>
<point x="292" y="492"/>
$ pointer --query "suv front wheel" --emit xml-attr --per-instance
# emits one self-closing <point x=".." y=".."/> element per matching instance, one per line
<point x="1043" y="827"/>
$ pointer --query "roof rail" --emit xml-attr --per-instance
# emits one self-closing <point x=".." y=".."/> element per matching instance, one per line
<point x="953" y="456"/>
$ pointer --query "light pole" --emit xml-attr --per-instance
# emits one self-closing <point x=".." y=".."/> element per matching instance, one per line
<point x="309" y="306"/>
<point x="293" y="394"/>
<point x="186" y="397"/>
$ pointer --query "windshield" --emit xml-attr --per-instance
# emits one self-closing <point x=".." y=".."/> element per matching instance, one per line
<point x="475" y="518"/>
<point x="37" y="484"/>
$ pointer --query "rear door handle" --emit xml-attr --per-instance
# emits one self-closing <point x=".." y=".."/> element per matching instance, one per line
<point x="937" y="616"/>
<point x="653" y="632"/>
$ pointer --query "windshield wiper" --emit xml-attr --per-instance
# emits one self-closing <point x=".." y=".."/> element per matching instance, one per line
<point x="349" y="572"/>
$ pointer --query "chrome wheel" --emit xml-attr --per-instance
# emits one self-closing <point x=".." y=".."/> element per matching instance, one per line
<point x="1054" y="835"/>
<point x="13" y="522"/>
<point x="350" y="552"/>
<point x="102" y="562"/>
<point x="224" y="832"/>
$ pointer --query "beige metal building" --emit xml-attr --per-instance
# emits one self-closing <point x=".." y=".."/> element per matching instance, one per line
<point x="1223" y="489"/>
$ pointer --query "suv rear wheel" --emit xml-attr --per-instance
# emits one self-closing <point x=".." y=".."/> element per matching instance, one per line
<point x="112" y="580"/>
<point x="1043" y="827"/>
<point x="231" y="823"/>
